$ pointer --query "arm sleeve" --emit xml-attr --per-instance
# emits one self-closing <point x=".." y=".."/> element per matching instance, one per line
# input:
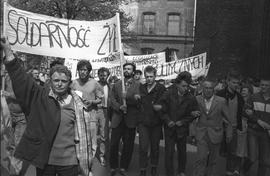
<point x="113" y="99"/>
<point x="25" y="89"/>
<point x="249" y="105"/>
<point x="192" y="107"/>
<point x="225" y="113"/>
<point x="99" y="93"/>
<point x="164" y="102"/>
<point x="131" y="101"/>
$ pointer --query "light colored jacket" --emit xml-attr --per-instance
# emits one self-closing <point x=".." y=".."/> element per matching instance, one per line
<point x="211" y="123"/>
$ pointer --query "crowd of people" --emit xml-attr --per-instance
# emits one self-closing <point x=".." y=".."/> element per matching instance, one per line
<point x="60" y="125"/>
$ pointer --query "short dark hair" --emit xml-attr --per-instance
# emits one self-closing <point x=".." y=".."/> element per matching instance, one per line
<point x="103" y="69"/>
<point x="60" y="69"/>
<point x="130" y="63"/>
<point x="248" y="86"/>
<point x="209" y="79"/>
<point x="113" y="78"/>
<point x="56" y="62"/>
<point x="151" y="69"/>
<point x="86" y="63"/>
<point x="138" y="71"/>
<point x="183" y="76"/>
<point x="233" y="75"/>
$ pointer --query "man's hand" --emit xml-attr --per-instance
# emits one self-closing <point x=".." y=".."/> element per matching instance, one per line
<point x="263" y="124"/>
<point x="88" y="103"/>
<point x="157" y="107"/>
<point x="7" y="49"/>
<point x="6" y="93"/>
<point x="249" y="112"/>
<point x="137" y="97"/>
<point x="171" y="124"/>
<point x="179" y="123"/>
<point x="196" y="114"/>
<point x="123" y="108"/>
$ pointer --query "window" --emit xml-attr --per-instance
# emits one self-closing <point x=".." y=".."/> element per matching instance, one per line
<point x="189" y="28"/>
<point x="149" y="23"/>
<point x="189" y="14"/>
<point x="173" y="54"/>
<point x="173" y="24"/>
<point x="147" y="50"/>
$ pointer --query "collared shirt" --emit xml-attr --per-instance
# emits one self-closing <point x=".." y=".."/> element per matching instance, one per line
<point x="149" y="89"/>
<point x="83" y="145"/>
<point x="128" y="83"/>
<point x="208" y="104"/>
<point x="106" y="94"/>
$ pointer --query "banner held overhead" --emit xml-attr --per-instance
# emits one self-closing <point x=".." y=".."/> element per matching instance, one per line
<point x="49" y="36"/>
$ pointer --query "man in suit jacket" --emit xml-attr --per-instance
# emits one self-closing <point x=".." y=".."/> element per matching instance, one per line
<point x="102" y="115"/>
<point x="177" y="104"/>
<point x="209" y="129"/>
<point x="235" y="104"/>
<point x="124" y="119"/>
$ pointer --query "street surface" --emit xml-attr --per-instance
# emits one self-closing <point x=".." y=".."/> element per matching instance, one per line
<point x="134" y="166"/>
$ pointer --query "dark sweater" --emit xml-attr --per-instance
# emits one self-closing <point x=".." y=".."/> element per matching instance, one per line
<point x="178" y="108"/>
<point x="43" y="116"/>
<point x="149" y="116"/>
<point x="240" y="104"/>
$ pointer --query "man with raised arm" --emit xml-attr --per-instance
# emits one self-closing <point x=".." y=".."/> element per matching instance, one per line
<point x="56" y="140"/>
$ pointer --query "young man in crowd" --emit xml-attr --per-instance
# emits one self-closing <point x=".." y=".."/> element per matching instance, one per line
<point x="138" y="75"/>
<point x="235" y="105"/>
<point x="209" y="129"/>
<point x="35" y="75"/>
<point x="102" y="115"/>
<point x="56" y="138"/>
<point x="150" y="124"/>
<point x="259" y="128"/>
<point x="177" y="104"/>
<point x="124" y="119"/>
<point x="92" y="95"/>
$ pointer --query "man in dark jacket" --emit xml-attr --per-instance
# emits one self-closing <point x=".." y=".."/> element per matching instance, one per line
<point x="150" y="125"/>
<point x="124" y="119"/>
<point x="55" y="139"/>
<point x="259" y="128"/>
<point x="235" y="104"/>
<point x="177" y="104"/>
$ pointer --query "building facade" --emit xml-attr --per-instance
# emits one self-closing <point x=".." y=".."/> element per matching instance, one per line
<point x="235" y="34"/>
<point x="160" y="25"/>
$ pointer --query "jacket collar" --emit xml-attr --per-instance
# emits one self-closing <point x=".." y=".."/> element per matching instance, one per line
<point x="77" y="98"/>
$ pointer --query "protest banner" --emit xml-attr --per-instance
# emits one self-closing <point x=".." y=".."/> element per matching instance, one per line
<point x="196" y="65"/>
<point x="49" y="36"/>
<point x="113" y="63"/>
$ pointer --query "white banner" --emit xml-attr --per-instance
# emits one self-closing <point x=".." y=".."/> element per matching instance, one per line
<point x="113" y="63"/>
<point x="49" y="36"/>
<point x="196" y="65"/>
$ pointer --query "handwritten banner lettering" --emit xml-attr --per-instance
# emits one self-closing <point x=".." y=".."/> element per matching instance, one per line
<point x="49" y="36"/>
<point x="113" y="63"/>
<point x="196" y="65"/>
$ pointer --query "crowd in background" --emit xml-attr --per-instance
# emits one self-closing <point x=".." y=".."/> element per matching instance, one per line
<point x="61" y="125"/>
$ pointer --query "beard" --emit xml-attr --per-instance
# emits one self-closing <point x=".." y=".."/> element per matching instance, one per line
<point x="127" y="75"/>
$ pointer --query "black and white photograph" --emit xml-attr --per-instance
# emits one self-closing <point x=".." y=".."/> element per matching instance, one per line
<point x="135" y="87"/>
